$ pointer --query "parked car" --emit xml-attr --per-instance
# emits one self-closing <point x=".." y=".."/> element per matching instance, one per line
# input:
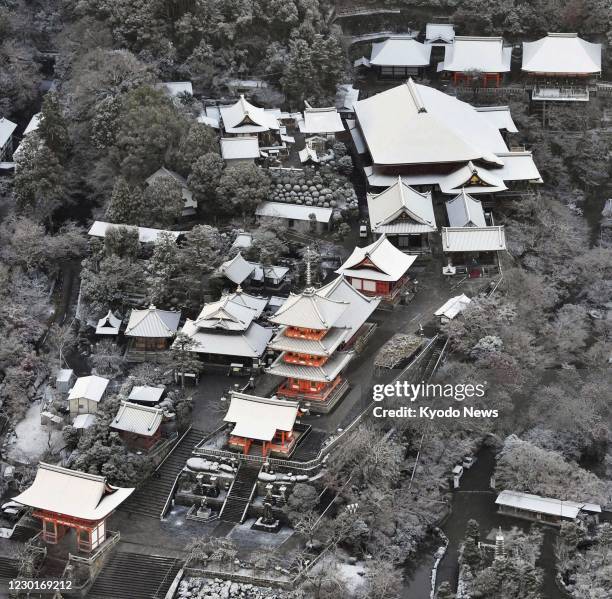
<point x="363" y="231"/>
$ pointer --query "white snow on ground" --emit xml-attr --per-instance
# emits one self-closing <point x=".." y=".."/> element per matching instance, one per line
<point x="31" y="438"/>
<point x="352" y="575"/>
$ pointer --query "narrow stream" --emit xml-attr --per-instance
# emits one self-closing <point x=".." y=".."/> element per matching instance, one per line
<point x="474" y="499"/>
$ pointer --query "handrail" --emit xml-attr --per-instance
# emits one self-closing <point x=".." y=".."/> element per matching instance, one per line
<point x="173" y="488"/>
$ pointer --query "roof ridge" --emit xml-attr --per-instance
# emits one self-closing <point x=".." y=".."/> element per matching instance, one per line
<point x="416" y="96"/>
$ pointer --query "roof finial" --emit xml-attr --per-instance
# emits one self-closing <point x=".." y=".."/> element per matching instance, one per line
<point x="308" y="269"/>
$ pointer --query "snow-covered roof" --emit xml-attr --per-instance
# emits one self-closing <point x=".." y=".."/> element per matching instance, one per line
<point x="239" y="148"/>
<point x="325" y="373"/>
<point x="308" y="154"/>
<point x="455" y="305"/>
<point x="465" y="211"/>
<point x="482" y="54"/>
<point x="440" y="33"/>
<point x="145" y="235"/>
<point x="309" y="310"/>
<point x="518" y="166"/>
<point x="83" y="421"/>
<point x="152" y="323"/>
<point x="237" y="269"/>
<point x="499" y="116"/>
<point x="108" y="325"/>
<point x="416" y="124"/>
<point x="146" y="394"/>
<point x="165" y="172"/>
<point x="360" y="307"/>
<point x="274" y="273"/>
<point x="400" y="51"/>
<point x="544" y="505"/>
<point x="227" y="314"/>
<point x="6" y="130"/>
<point x="90" y="387"/>
<point x="259" y="417"/>
<point x="244" y="117"/>
<point x="174" y="88"/>
<point x="211" y="121"/>
<point x="379" y="261"/>
<point x="473" y="239"/>
<point x="72" y="493"/>
<point x="320" y="120"/>
<point x="313" y="347"/>
<point x="476" y="178"/>
<point x="64" y="375"/>
<point x="137" y="419"/>
<point x="243" y="240"/>
<point x="294" y="211"/>
<point x="346" y="96"/>
<point x="249" y="344"/>
<point x="33" y="124"/>
<point x="401" y="209"/>
<point x="561" y="53"/>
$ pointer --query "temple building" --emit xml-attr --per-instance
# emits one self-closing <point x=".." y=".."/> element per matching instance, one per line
<point x="325" y="122"/>
<point x="108" y="325"/>
<point x="226" y="332"/>
<point x="399" y="57"/>
<point x="244" y="119"/>
<point x="151" y="329"/>
<point x="309" y="339"/>
<point x="465" y="211"/>
<point x="560" y="66"/>
<point x="263" y="423"/>
<point x="473" y="250"/>
<point x="439" y="34"/>
<point x="485" y="59"/>
<point x="242" y="272"/>
<point x="436" y="142"/>
<point x="138" y="426"/>
<point x="404" y="215"/>
<point x="64" y="499"/>
<point x="379" y="269"/>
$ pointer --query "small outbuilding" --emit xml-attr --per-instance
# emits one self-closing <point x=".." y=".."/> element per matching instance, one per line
<point x="7" y="128"/>
<point x="239" y="150"/>
<point x="87" y="393"/>
<point x="473" y="250"/>
<point x="297" y="216"/>
<point x="399" y="57"/>
<point x="143" y="394"/>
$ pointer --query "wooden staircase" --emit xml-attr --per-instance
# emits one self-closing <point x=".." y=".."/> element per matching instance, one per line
<point x="240" y="494"/>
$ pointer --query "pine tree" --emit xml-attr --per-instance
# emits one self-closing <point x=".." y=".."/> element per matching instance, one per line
<point x="200" y="140"/>
<point x="163" y="203"/>
<point x="184" y="359"/>
<point x="243" y="187"/>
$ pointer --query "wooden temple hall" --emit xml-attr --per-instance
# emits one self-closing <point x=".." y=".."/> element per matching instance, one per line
<point x="64" y="499"/>
<point x="264" y="426"/>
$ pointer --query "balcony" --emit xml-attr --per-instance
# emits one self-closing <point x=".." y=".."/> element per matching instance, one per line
<point x="560" y="94"/>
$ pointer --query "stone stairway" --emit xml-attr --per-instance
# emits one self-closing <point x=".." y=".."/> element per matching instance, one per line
<point x="135" y="576"/>
<point x="240" y="493"/>
<point x="431" y="361"/>
<point x="151" y="497"/>
<point x="25" y="529"/>
<point x="9" y="568"/>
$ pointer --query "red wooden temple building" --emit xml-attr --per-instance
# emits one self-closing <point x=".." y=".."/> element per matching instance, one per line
<point x="311" y="332"/>
<point x="139" y="426"/>
<point x="64" y="499"/>
<point x="379" y="269"/>
<point x="260" y="421"/>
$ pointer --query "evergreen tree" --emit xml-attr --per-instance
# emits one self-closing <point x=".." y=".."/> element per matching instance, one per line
<point x="184" y="359"/>
<point x="200" y="140"/>
<point x="122" y="242"/>
<point x="163" y="268"/>
<point x="52" y="127"/>
<point x="164" y="203"/>
<point x="445" y="591"/>
<point x="243" y="187"/>
<point x="472" y="530"/>
<point x="126" y="204"/>
<point x="203" y="181"/>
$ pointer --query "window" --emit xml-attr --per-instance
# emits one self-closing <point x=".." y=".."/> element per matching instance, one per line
<point x="356" y="283"/>
<point x="369" y="286"/>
